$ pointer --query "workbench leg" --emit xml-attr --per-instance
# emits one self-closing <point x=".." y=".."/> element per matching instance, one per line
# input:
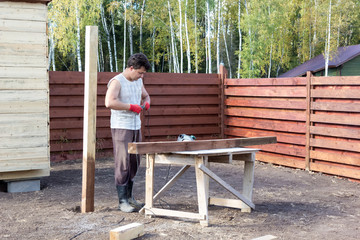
<point x="149" y="183"/>
<point x="248" y="181"/>
<point x="202" y="184"/>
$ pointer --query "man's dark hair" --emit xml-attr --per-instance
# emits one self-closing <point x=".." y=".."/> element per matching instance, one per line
<point x="138" y="60"/>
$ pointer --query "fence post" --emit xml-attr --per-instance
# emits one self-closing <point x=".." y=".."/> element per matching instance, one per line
<point x="308" y="120"/>
<point x="89" y="139"/>
<point x="222" y="75"/>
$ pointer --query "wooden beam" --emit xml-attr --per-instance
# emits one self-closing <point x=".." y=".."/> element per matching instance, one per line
<point x="89" y="137"/>
<point x="130" y="231"/>
<point x="226" y="186"/>
<point x="173" y="146"/>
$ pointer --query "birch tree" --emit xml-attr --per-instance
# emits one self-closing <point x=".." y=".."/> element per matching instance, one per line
<point x="187" y="39"/>
<point x="107" y="32"/>
<point x="327" y="45"/>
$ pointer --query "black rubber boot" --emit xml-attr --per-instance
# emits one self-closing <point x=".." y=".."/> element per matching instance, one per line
<point x="131" y="199"/>
<point x="124" y="205"/>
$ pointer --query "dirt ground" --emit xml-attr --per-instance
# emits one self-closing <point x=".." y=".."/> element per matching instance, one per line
<point x="290" y="204"/>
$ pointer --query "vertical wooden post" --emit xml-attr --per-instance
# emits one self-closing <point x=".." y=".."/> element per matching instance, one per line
<point x="222" y="75"/>
<point x="308" y="120"/>
<point x="89" y="136"/>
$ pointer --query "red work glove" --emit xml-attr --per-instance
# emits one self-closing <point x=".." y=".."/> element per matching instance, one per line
<point x="147" y="106"/>
<point x="135" y="108"/>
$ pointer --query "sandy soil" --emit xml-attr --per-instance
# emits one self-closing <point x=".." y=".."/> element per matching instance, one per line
<point x="290" y="204"/>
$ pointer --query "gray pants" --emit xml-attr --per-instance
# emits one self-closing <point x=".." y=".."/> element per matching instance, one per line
<point x="126" y="165"/>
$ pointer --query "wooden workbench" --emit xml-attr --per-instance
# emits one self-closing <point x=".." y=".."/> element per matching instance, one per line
<point x="192" y="153"/>
<point x="201" y="160"/>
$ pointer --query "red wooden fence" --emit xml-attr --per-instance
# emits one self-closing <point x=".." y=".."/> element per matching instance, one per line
<point x="180" y="103"/>
<point x="315" y="119"/>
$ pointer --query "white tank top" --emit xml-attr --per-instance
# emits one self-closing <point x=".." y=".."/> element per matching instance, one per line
<point x="130" y="92"/>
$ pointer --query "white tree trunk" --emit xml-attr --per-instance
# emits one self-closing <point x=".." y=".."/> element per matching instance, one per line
<point x="78" y="53"/>
<point x="131" y="36"/>
<point x="172" y="39"/>
<point x="101" y="55"/>
<point x="196" y="44"/>
<point x="114" y="39"/>
<point x="107" y="33"/>
<point x="250" y="42"/>
<point x="327" y="51"/>
<point x="208" y="34"/>
<point x="52" y="48"/>
<point x="187" y="40"/>
<point x="181" y="40"/>
<point x="218" y="38"/>
<point x="124" y="48"/>
<point x="314" y="38"/>
<point x="240" y="40"/>
<point x="227" y="50"/>
<point x="141" y="23"/>
<point x="153" y="50"/>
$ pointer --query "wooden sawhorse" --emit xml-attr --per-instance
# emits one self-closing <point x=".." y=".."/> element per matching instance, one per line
<point x="201" y="160"/>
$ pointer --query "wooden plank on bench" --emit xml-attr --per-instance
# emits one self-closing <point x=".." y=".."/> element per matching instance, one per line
<point x="173" y="146"/>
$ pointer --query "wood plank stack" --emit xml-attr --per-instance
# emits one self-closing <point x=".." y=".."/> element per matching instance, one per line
<point x="24" y="90"/>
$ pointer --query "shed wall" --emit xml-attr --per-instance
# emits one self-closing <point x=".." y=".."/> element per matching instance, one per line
<point x="24" y="99"/>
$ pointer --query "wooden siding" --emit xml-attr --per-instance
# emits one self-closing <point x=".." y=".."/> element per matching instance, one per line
<point x="180" y="103"/>
<point x="24" y="99"/>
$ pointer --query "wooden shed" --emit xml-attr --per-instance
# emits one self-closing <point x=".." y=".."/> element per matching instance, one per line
<point x="344" y="62"/>
<point x="24" y="90"/>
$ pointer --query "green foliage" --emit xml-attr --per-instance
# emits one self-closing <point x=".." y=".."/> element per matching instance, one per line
<point x="277" y="35"/>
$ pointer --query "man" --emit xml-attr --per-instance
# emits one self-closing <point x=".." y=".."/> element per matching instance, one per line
<point x="127" y="97"/>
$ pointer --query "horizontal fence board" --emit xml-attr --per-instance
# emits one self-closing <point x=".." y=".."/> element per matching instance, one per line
<point x="278" y="114"/>
<point x="285" y="149"/>
<point x="336" y="93"/>
<point x="266" y="103"/>
<point x="335" y="144"/>
<point x="78" y="145"/>
<point x="291" y="92"/>
<point x="66" y="135"/>
<point x="336" y="132"/>
<point x="297" y="139"/>
<point x="182" y="91"/>
<point x="174" y="131"/>
<point x="183" y="79"/>
<point x="338" y="80"/>
<point x="266" y="82"/>
<point x="267" y="124"/>
<point x="182" y="110"/>
<point x="335" y="119"/>
<point x="182" y="120"/>
<point x="335" y="169"/>
<point x="281" y="160"/>
<point x="339" y="157"/>
<point x="336" y="107"/>
<point x="69" y="124"/>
